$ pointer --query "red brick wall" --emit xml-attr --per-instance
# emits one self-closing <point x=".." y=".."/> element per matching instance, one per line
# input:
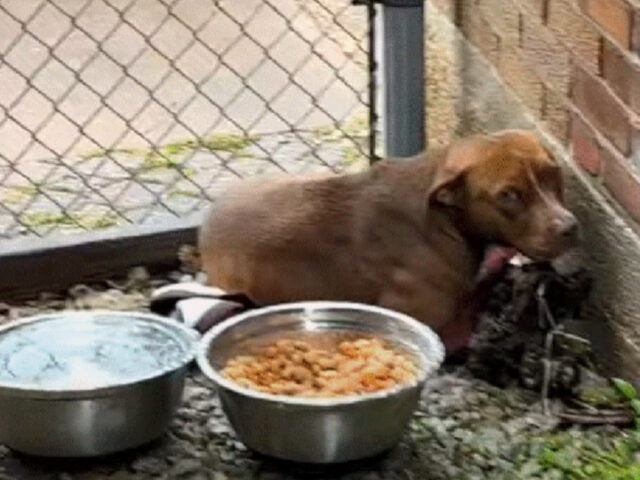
<point x="576" y="65"/>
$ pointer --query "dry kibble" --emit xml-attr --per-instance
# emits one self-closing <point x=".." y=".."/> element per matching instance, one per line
<point x="302" y="346"/>
<point x="271" y="352"/>
<point x="295" y="367"/>
<point x="312" y="357"/>
<point x="301" y="374"/>
<point x="327" y="363"/>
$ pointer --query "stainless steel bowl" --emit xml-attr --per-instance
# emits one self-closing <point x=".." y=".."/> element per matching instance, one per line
<point x="90" y="383"/>
<point x="319" y="430"/>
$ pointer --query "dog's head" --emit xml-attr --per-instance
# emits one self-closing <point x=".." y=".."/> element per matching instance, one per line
<point x="508" y="189"/>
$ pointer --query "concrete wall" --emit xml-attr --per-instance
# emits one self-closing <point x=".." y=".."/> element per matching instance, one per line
<point x="481" y="77"/>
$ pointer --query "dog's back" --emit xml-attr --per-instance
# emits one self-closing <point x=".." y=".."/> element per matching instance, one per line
<point x="282" y="240"/>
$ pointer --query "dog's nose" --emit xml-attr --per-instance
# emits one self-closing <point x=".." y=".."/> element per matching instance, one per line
<point x="569" y="227"/>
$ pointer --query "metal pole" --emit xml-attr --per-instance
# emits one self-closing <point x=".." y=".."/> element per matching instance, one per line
<point x="403" y="77"/>
<point x="373" y="79"/>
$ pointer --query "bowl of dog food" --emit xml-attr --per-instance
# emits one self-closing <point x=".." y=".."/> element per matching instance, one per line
<point x="79" y="384"/>
<point x="319" y="382"/>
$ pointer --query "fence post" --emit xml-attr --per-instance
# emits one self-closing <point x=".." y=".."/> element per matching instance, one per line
<point x="402" y="79"/>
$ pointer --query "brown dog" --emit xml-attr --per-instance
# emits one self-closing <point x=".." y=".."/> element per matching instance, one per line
<point x="407" y="234"/>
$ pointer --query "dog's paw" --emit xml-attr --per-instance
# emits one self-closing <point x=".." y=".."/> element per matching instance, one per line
<point x="204" y="313"/>
<point x="456" y="336"/>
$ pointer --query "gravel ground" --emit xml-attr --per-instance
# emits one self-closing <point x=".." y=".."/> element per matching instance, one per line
<point x="464" y="428"/>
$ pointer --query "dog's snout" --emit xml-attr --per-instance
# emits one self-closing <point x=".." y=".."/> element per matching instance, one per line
<point x="567" y="226"/>
<point x="571" y="227"/>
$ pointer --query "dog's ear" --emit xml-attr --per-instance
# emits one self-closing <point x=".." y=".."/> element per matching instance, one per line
<point x="448" y="184"/>
<point x="449" y="192"/>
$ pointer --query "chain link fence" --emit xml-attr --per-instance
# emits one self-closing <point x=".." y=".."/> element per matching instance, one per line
<point x="127" y="111"/>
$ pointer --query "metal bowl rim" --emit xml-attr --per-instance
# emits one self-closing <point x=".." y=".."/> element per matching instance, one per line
<point x="189" y="335"/>
<point x="202" y="354"/>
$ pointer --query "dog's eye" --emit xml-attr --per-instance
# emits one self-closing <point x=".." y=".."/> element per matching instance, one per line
<point x="510" y="199"/>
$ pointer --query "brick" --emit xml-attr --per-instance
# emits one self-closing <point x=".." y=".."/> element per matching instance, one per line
<point x="622" y="74"/>
<point x="621" y="182"/>
<point x="555" y="114"/>
<point x="585" y="149"/>
<point x="635" y="34"/>
<point x="600" y="107"/>
<point x="614" y="16"/>
<point x="546" y="55"/>
<point x="534" y="8"/>
<point x="522" y="79"/>
<point x="504" y="18"/>
<point x="571" y="27"/>
<point x="479" y="32"/>
<point x="635" y="149"/>
<point x="635" y="146"/>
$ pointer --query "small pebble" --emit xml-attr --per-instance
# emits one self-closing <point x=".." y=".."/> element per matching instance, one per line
<point x="138" y="277"/>
<point x="226" y="456"/>
<point x="197" y="476"/>
<point x="80" y="290"/>
<point x="150" y="465"/>
<point x="185" y="466"/>
<point x="239" y="446"/>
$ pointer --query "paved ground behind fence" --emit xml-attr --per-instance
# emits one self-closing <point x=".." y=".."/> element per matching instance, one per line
<point x="115" y="111"/>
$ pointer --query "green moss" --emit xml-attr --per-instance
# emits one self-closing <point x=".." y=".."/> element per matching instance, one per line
<point x="155" y="160"/>
<point x="36" y="219"/>
<point x="228" y="143"/>
<point x="61" y="188"/>
<point x="19" y="193"/>
<point x="601" y="396"/>
<point x="172" y="155"/>
<point x="179" y="148"/>
<point x="27" y="189"/>
<point x="87" y="219"/>
<point x="134" y="152"/>
<point x="355" y="127"/>
<point x="217" y="142"/>
<point x="98" y="221"/>
<point x="97" y="153"/>
<point x="325" y="132"/>
<point x="178" y="192"/>
<point x="353" y="156"/>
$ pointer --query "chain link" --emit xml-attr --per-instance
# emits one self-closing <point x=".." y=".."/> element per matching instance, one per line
<point x="118" y="111"/>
